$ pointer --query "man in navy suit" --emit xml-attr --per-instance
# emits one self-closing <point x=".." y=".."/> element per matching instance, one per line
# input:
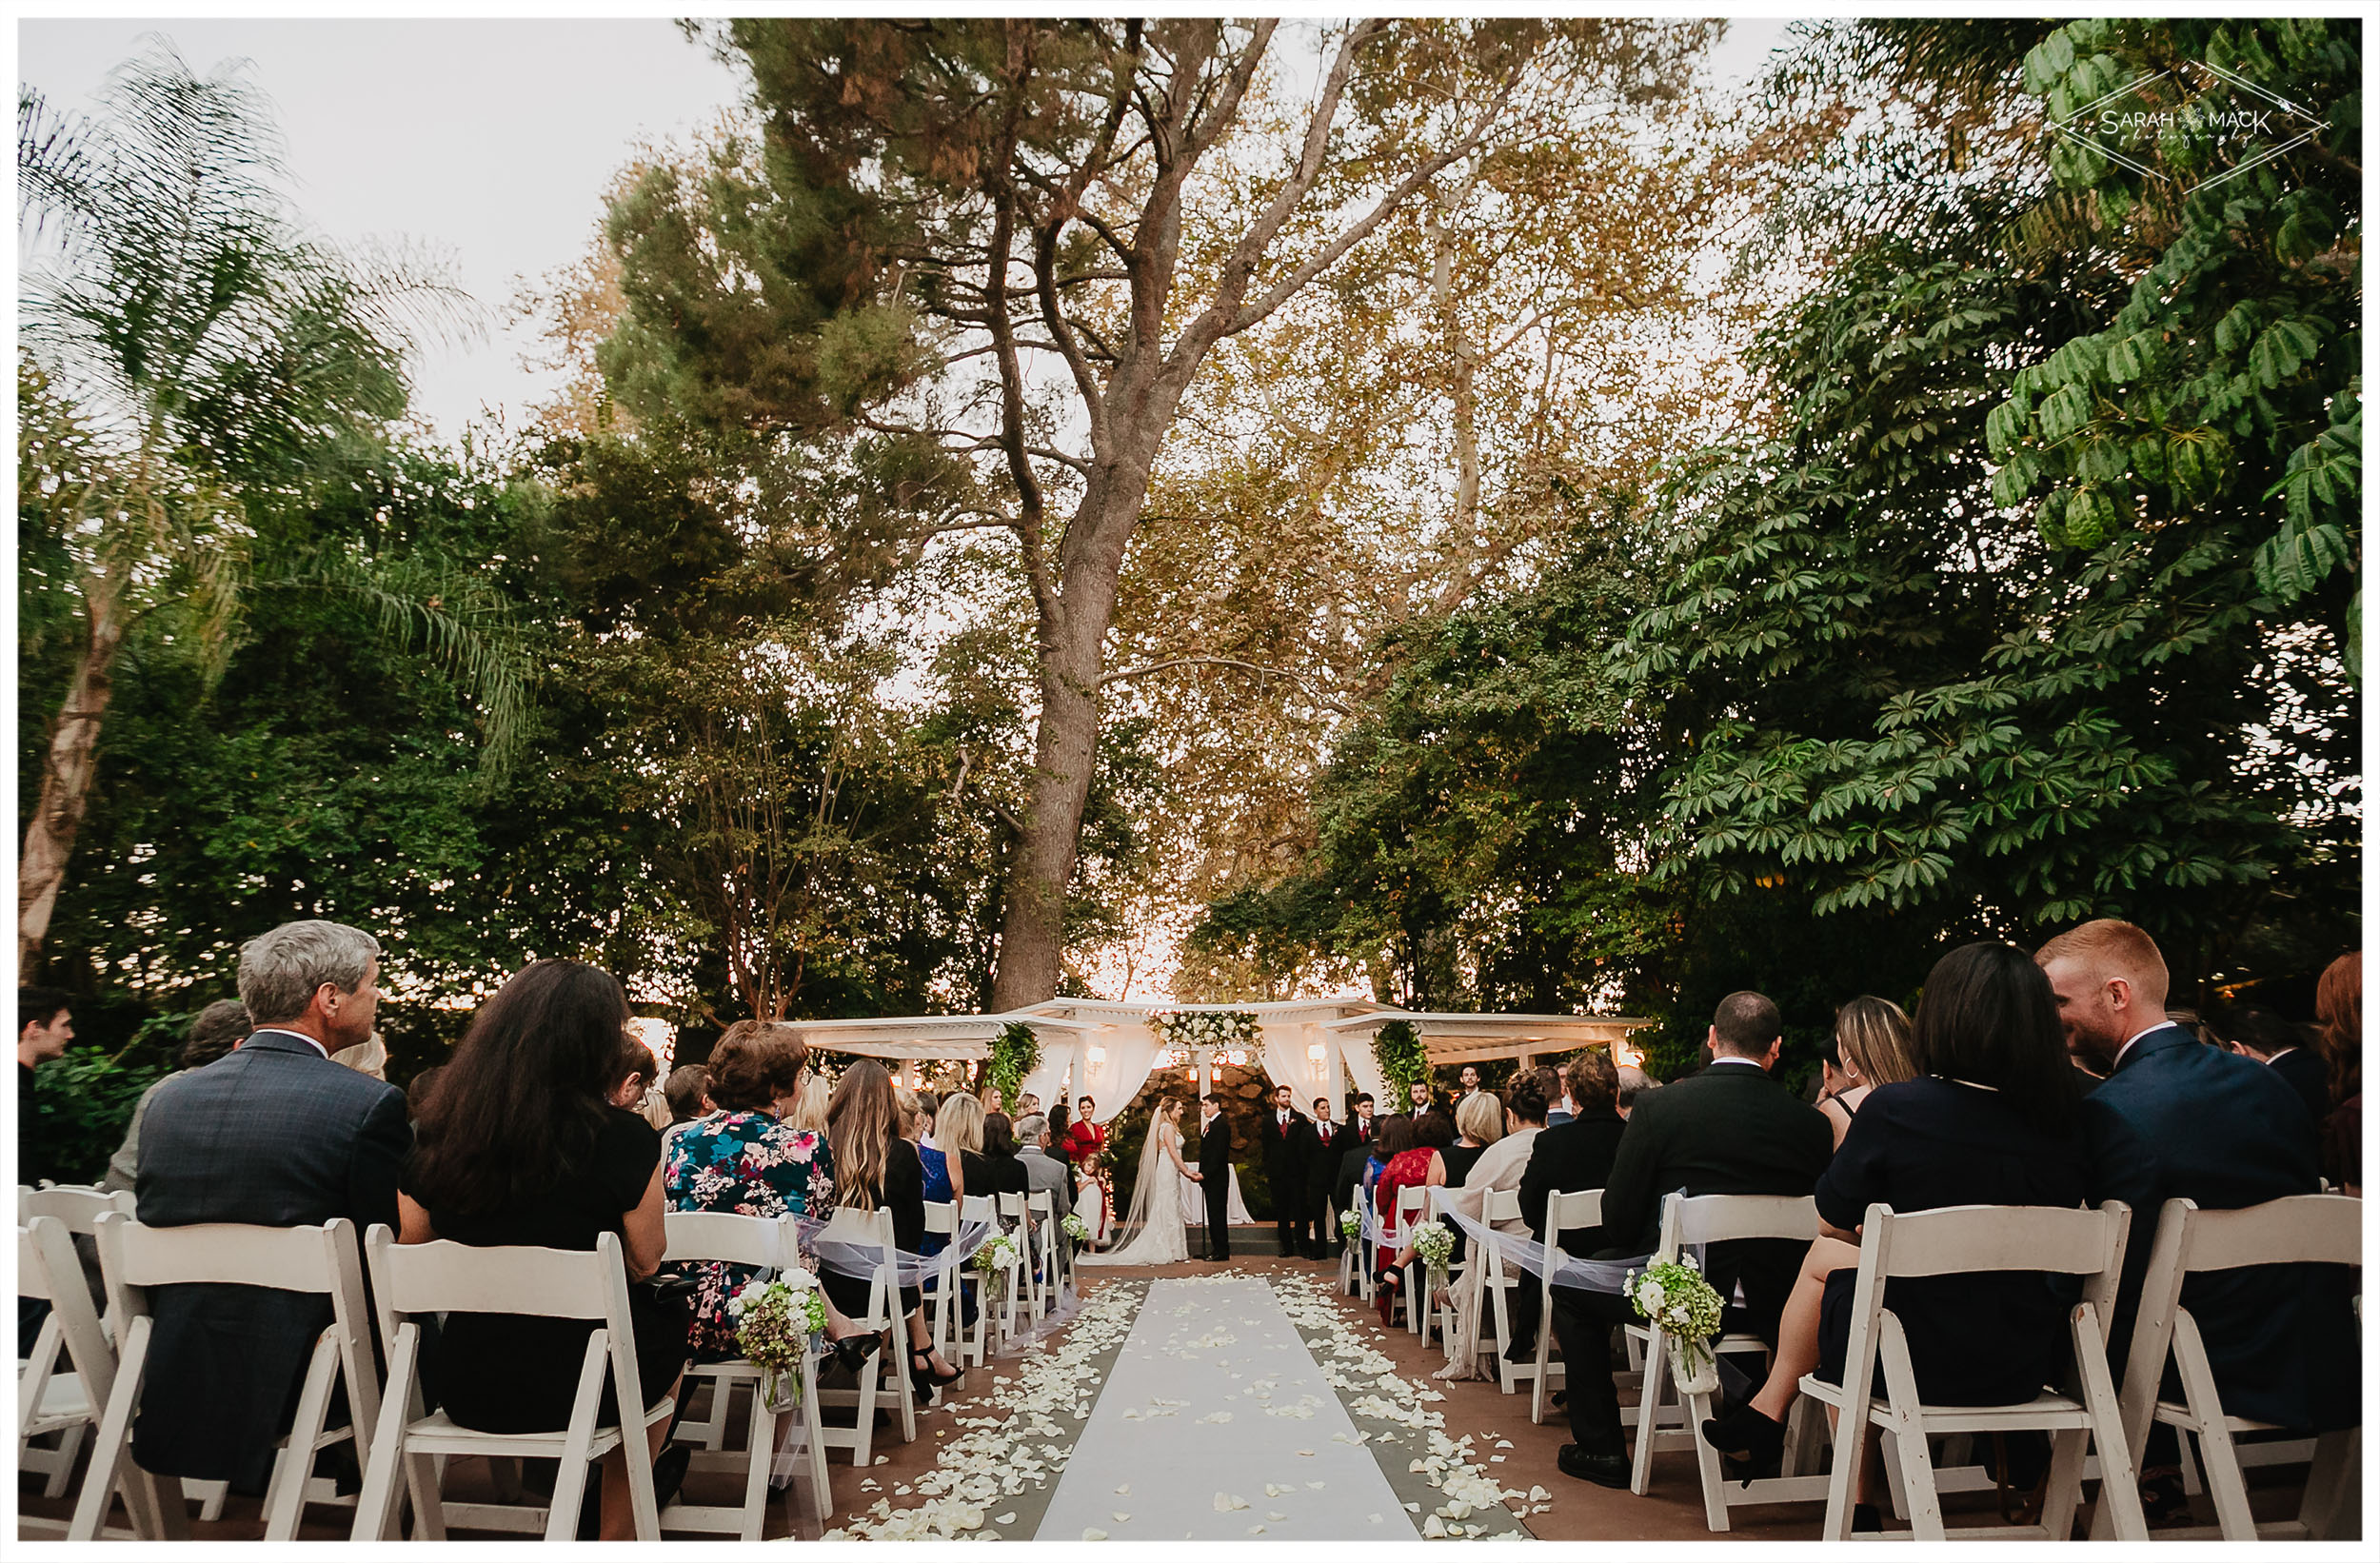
<point x="272" y="1135"/>
<point x="2255" y="1032"/>
<point x="2175" y="1119"/>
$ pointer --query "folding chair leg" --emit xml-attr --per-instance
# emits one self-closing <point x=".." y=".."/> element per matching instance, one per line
<point x="376" y="1505"/>
<point x="2061" y="1500"/>
<point x="69" y="1445"/>
<point x="285" y="1494"/>
<point x="562" y="1520"/>
<point x="1707" y="1459"/>
<point x="2225" y="1484"/>
<point x="1896" y="1478"/>
<point x="1916" y="1463"/>
<point x="1648" y="1412"/>
<point x="1542" y="1369"/>
<point x="109" y="1458"/>
<point x="2331" y="1484"/>
<point x="822" y="1495"/>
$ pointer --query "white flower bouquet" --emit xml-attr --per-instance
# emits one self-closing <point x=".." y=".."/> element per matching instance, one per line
<point x="1676" y="1299"/>
<point x="1434" y="1245"/>
<point x="1351" y="1225"/>
<point x="775" y="1320"/>
<point x="1075" y="1227"/>
<point x="999" y="1253"/>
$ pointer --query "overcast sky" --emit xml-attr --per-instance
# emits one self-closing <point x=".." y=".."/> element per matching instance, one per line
<point x="491" y="141"/>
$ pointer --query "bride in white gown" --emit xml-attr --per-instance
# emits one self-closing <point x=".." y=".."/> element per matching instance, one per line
<point x="1154" y="1229"/>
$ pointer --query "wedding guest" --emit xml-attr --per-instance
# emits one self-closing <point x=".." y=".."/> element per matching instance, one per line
<point x="1569" y="1159"/>
<point x="642" y="1069"/>
<point x="688" y="1090"/>
<point x="1419" y="1098"/>
<point x="44" y="1023"/>
<point x="522" y="1145"/>
<point x="876" y="1169"/>
<point x="1499" y="1166"/>
<point x="1470" y="1082"/>
<point x="809" y="1113"/>
<point x="1043" y="1173"/>
<point x="1728" y="1129"/>
<point x="958" y="1134"/>
<point x="1992" y="1120"/>
<point x="1634" y="1085"/>
<point x="1060" y="1120"/>
<point x="996" y="1170"/>
<point x="748" y="1159"/>
<point x="2339" y="1007"/>
<point x="2261" y="1036"/>
<point x="1559" y="1109"/>
<point x="418" y="1089"/>
<point x="218" y="1029"/>
<point x="274" y="1135"/>
<point x="929" y="1108"/>
<point x="991" y="1100"/>
<point x="2174" y="1119"/>
<point x="1869" y="1047"/>
<point x="1478" y="1123"/>
<point x="1420" y="1166"/>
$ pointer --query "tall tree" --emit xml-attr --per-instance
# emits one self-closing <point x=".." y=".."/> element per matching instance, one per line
<point x="933" y="202"/>
<point x="189" y="349"/>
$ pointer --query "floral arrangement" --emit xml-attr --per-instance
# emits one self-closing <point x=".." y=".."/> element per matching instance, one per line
<point x="1434" y="1244"/>
<point x="775" y="1320"/>
<point x="1397" y="1048"/>
<point x="999" y="1253"/>
<point x="1205" y="1028"/>
<point x="1683" y="1306"/>
<point x="1015" y="1052"/>
<point x="1075" y="1227"/>
<point x="1351" y="1225"/>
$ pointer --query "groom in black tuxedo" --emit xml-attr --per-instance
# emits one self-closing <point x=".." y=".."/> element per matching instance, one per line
<point x="1289" y="1140"/>
<point x="1215" y="1177"/>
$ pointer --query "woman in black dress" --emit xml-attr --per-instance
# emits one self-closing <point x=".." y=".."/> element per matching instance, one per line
<point x="1991" y="1119"/>
<point x="519" y="1146"/>
<point x="1002" y="1173"/>
<point x="876" y="1168"/>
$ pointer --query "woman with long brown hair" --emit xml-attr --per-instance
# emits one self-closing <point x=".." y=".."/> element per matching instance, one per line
<point x="1869" y="1048"/>
<point x="2339" y="1005"/>
<point x="876" y="1168"/>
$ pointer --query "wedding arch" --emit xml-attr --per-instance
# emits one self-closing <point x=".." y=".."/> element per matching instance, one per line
<point x="1107" y="1051"/>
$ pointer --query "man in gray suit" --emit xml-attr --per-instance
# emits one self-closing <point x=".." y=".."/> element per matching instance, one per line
<point x="272" y="1135"/>
<point x="1043" y="1173"/>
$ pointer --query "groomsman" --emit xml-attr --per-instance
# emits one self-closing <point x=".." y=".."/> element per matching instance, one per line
<point x="1330" y="1142"/>
<point x="1289" y="1140"/>
<point x="1359" y="1124"/>
<point x="1215" y="1175"/>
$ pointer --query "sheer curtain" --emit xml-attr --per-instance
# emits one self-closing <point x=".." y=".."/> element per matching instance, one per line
<point x="1286" y="1061"/>
<point x="1117" y="1063"/>
<point x="1060" y="1046"/>
<point x="1356" y="1047"/>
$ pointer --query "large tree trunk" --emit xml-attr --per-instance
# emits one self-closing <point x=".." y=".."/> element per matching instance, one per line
<point x="64" y="785"/>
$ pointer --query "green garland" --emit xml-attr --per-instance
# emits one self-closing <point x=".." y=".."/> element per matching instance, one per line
<point x="1397" y="1048"/>
<point x="1015" y="1052"/>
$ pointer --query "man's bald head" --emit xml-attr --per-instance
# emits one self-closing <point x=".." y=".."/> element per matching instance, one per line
<point x="2111" y="983"/>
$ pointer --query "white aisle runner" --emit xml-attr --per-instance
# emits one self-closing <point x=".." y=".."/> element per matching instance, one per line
<point x="1214" y="1400"/>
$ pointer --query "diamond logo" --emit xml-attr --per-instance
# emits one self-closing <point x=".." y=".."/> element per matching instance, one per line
<point x="2139" y="124"/>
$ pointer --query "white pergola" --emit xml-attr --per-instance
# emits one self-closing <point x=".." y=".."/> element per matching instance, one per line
<point x="1107" y="1051"/>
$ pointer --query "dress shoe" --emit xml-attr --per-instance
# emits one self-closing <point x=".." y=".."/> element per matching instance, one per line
<point x="1753" y="1442"/>
<point x="1865" y="1517"/>
<point x="1603" y="1469"/>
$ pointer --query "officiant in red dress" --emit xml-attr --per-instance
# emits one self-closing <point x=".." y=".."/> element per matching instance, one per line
<point x="1085" y="1142"/>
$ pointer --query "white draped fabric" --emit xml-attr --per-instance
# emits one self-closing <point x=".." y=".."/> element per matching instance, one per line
<point x="1118" y="1064"/>
<point x="1286" y="1063"/>
<point x="1356" y="1047"/>
<point x="1047" y="1080"/>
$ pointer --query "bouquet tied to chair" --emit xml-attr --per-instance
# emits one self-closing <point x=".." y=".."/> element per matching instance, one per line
<point x="1675" y="1300"/>
<point x="775" y="1318"/>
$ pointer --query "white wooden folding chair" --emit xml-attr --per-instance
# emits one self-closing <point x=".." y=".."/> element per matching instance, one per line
<point x="1575" y="1211"/>
<point x="975" y="1207"/>
<point x="316" y="1259"/>
<point x="767" y="1245"/>
<point x="1410" y="1203"/>
<point x="2307" y="1229"/>
<point x="1970" y="1239"/>
<point x="69" y="1403"/>
<point x="1015" y="1288"/>
<point x="77" y="1210"/>
<point x="412" y="1280"/>
<point x="940" y="1289"/>
<point x="1688" y="1221"/>
<point x="872" y="1230"/>
<point x="1041" y="1254"/>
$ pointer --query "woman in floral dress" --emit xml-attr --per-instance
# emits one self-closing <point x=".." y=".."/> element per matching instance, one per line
<point x="745" y="1160"/>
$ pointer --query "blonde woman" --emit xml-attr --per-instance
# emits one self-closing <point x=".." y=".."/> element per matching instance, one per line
<point x="809" y="1110"/>
<point x="958" y="1135"/>
<point x="1870" y="1048"/>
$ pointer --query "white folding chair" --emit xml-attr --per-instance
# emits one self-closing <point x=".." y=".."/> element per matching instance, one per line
<point x="975" y="1207"/>
<point x="766" y="1244"/>
<point x="1041" y="1254"/>
<point x="1017" y="1282"/>
<point x="1575" y="1211"/>
<point x="410" y="1280"/>
<point x="872" y="1230"/>
<point x="1688" y="1221"/>
<point x="940" y="1289"/>
<point x="1410" y="1203"/>
<point x="1968" y="1240"/>
<point x="2307" y="1229"/>
<point x="68" y="1404"/>
<point x="77" y="1210"/>
<point x="315" y="1259"/>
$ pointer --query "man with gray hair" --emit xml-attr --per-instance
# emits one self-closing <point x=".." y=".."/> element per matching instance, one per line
<point x="273" y="1134"/>
<point x="1043" y="1173"/>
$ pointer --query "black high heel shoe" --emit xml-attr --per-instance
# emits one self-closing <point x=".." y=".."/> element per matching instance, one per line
<point x="921" y="1370"/>
<point x="1748" y="1440"/>
<point x="853" y="1351"/>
